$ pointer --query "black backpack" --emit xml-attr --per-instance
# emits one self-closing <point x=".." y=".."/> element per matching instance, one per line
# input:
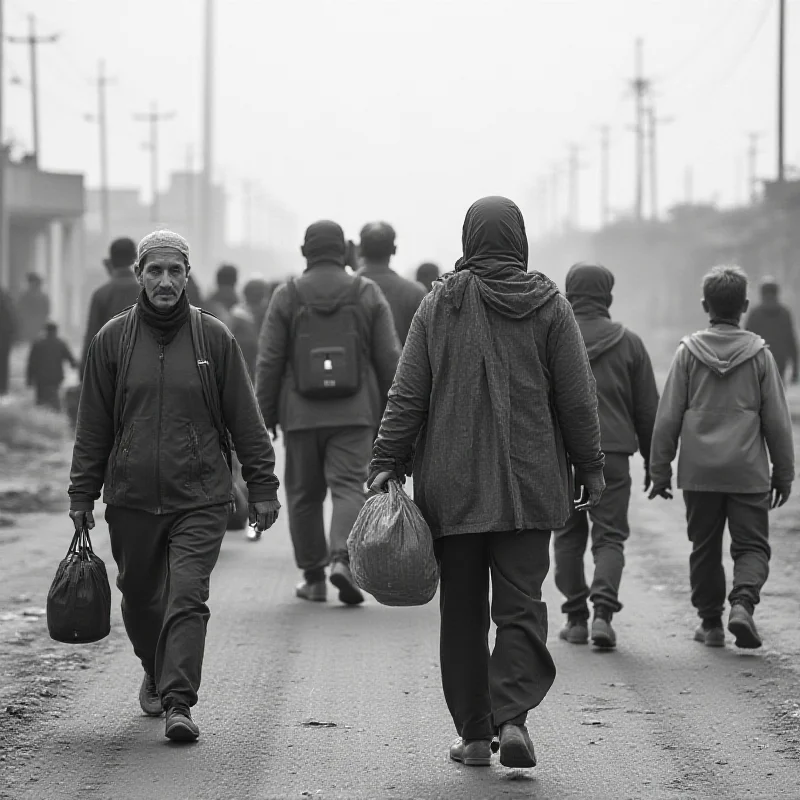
<point x="327" y="344"/>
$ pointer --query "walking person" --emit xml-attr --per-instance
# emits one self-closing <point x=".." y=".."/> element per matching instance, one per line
<point x="327" y="356"/>
<point x="33" y="307"/>
<point x="164" y="383"/>
<point x="493" y="398"/>
<point x="427" y="273"/>
<point x="225" y="297"/>
<point x="773" y="322"/>
<point x="627" y="399"/>
<point x="8" y="334"/>
<point x="45" y="371"/>
<point x="376" y="249"/>
<point x="725" y="403"/>
<point x="120" y="291"/>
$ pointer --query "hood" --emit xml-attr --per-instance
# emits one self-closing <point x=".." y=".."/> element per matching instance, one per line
<point x="723" y="348"/>
<point x="600" y="334"/>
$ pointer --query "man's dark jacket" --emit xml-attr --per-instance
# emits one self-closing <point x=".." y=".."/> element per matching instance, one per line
<point x="403" y="296"/>
<point x="108" y="300"/>
<point x="774" y="324"/>
<point x="279" y="401"/>
<point x="166" y="457"/>
<point x="46" y="361"/>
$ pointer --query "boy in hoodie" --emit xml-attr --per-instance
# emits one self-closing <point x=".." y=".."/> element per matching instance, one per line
<point x="725" y="401"/>
<point x="627" y="400"/>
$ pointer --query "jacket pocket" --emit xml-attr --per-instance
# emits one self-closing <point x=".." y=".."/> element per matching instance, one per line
<point x="119" y="462"/>
<point x="196" y="464"/>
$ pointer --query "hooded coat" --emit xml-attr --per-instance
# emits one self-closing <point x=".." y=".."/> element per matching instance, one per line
<point x="725" y="401"/>
<point x="627" y="394"/>
<point x="494" y="394"/>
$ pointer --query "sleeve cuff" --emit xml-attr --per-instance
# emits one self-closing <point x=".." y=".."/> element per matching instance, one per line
<point x="81" y="504"/>
<point x="261" y="494"/>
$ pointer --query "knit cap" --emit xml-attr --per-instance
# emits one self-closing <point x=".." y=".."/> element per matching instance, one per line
<point x="163" y="238"/>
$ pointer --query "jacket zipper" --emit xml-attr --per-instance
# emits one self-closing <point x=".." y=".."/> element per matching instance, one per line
<point x="158" y="429"/>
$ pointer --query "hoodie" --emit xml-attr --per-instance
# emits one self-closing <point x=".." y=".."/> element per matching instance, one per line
<point x="627" y="395"/>
<point x="493" y="393"/>
<point x="725" y="403"/>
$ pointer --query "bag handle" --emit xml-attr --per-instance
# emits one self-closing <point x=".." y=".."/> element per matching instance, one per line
<point x="81" y="544"/>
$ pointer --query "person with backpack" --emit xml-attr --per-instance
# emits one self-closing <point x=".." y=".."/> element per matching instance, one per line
<point x="164" y="385"/>
<point x="327" y="355"/>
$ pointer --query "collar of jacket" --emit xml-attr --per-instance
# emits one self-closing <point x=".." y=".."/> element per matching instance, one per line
<point x="325" y="262"/>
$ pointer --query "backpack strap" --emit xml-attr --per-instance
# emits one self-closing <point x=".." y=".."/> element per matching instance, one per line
<point x="210" y="384"/>
<point x="124" y="352"/>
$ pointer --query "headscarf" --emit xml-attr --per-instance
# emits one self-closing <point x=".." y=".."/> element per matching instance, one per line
<point x="325" y="244"/>
<point x="495" y="255"/>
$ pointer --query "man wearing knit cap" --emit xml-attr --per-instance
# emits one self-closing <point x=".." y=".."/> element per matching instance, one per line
<point x="163" y="387"/>
<point x="627" y="402"/>
<point x="326" y="360"/>
<point x="376" y="250"/>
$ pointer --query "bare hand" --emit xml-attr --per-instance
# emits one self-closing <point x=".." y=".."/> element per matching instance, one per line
<point x="82" y="519"/>
<point x="263" y="515"/>
<point x="779" y="496"/>
<point x="381" y="479"/>
<point x="661" y="491"/>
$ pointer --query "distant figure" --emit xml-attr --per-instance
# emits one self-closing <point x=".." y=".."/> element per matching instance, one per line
<point x="724" y="401"/>
<point x="404" y="296"/>
<point x="8" y="333"/>
<point x="116" y="294"/>
<point x="773" y="322"/>
<point x="193" y="293"/>
<point x="326" y="358"/>
<point x="627" y="399"/>
<point x="225" y="298"/>
<point x="246" y="319"/>
<point x="46" y="366"/>
<point x="257" y="293"/>
<point x="33" y="309"/>
<point x="427" y="273"/>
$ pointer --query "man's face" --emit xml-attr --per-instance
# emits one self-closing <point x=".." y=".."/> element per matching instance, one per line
<point x="163" y="277"/>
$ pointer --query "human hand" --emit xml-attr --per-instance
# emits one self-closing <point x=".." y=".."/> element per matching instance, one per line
<point x="779" y="495"/>
<point x="661" y="491"/>
<point x="82" y="519"/>
<point x="263" y="515"/>
<point x="648" y="481"/>
<point x="378" y="485"/>
<point x="592" y="485"/>
<point x="274" y="433"/>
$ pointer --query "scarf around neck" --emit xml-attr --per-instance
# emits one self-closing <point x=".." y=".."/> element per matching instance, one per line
<point x="164" y="324"/>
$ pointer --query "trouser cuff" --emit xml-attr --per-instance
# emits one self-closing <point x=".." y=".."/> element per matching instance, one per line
<point x="316" y="575"/>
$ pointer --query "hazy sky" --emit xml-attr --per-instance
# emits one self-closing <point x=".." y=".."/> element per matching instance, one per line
<point x="409" y="110"/>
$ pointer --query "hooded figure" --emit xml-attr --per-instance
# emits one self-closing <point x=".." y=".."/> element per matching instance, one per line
<point x="627" y="400"/>
<point x="493" y="395"/>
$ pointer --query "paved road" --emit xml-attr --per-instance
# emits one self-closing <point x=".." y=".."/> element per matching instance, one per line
<point x="333" y="702"/>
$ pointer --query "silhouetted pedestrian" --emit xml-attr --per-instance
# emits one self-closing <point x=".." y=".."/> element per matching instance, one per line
<point x="427" y="273"/>
<point x="33" y="309"/>
<point x="773" y="322"/>
<point x="225" y="297"/>
<point x="46" y="366"/>
<point x="8" y="334"/>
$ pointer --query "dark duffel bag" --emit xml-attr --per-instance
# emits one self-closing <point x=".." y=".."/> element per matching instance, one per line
<point x="79" y="600"/>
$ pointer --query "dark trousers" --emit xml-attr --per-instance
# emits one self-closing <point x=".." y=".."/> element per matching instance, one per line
<point x="609" y="533"/>
<point x="318" y="460"/>
<point x="747" y="516"/>
<point x="165" y="563"/>
<point x="484" y="690"/>
<point x="5" y="365"/>
<point x="47" y="395"/>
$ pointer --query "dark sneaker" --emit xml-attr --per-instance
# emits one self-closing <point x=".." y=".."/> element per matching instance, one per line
<point x="317" y="592"/>
<point x="516" y="747"/>
<point x="473" y="753"/>
<point x="603" y="634"/>
<point x="576" y="631"/>
<point x="711" y="636"/>
<point x="180" y="725"/>
<point x="149" y="698"/>
<point x="743" y="627"/>
<point x="342" y="579"/>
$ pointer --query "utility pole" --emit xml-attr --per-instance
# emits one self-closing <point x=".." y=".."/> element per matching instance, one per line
<point x="102" y="81"/>
<point x="605" y="150"/>
<point x="153" y="118"/>
<point x="641" y="88"/>
<point x="248" y="213"/>
<point x="4" y="276"/>
<point x="652" y="126"/>
<point x="573" y="167"/>
<point x="781" y="87"/>
<point x="206" y="210"/>
<point x="543" y="208"/>
<point x="32" y="41"/>
<point x="191" y="193"/>
<point x="752" y="166"/>
<point x="688" y="185"/>
<point x="555" y="210"/>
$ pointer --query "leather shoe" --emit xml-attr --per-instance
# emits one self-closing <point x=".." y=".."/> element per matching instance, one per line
<point x="316" y="592"/>
<point x="342" y="579"/>
<point x="472" y="753"/>
<point x="149" y="698"/>
<point x="516" y="747"/>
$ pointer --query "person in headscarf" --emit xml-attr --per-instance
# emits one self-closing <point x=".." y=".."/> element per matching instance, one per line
<point x="773" y="322"/>
<point x="328" y="439"/>
<point x="427" y="273"/>
<point x="492" y="402"/>
<point x="146" y="437"/>
<point x="628" y="400"/>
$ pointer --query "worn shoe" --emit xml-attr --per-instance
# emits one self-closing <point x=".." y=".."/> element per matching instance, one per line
<point x="180" y="725"/>
<point x="576" y="631"/>
<point x="149" y="699"/>
<point x="743" y="627"/>
<point x="317" y="591"/>
<point x="472" y="753"/>
<point x="711" y="634"/>
<point x="342" y="579"/>
<point x="603" y="634"/>
<point x="516" y="747"/>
